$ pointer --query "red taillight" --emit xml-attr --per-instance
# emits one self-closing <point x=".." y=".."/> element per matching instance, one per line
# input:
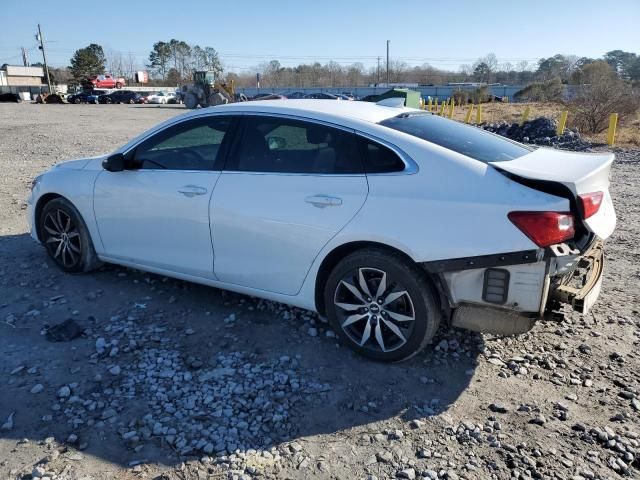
<point x="590" y="203"/>
<point x="544" y="228"/>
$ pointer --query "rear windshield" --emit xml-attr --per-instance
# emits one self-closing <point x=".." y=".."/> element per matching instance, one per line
<point x="467" y="140"/>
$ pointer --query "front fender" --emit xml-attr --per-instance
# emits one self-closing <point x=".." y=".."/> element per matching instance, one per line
<point x="76" y="185"/>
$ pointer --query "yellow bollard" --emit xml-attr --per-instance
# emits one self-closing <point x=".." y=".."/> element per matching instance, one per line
<point x="525" y="115"/>
<point x="444" y="105"/>
<point x="429" y="105"/>
<point x="479" y="114"/>
<point x="467" y="119"/>
<point x="563" y="123"/>
<point x="611" y="133"/>
<point x="436" y="105"/>
<point x="452" y="105"/>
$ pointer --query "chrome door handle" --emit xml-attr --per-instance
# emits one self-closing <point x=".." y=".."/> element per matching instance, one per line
<point x="192" y="190"/>
<point x="322" y="201"/>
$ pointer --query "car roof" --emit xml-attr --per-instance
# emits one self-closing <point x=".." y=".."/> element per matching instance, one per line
<point x="352" y="114"/>
<point x="363" y="111"/>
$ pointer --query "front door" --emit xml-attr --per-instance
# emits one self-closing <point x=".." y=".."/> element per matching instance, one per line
<point x="289" y="186"/>
<point x="156" y="212"/>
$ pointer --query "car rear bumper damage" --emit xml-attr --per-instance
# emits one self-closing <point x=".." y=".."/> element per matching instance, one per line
<point x="580" y="287"/>
<point x="509" y="292"/>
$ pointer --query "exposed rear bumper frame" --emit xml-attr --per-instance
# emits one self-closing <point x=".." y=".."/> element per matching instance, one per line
<point x="589" y="273"/>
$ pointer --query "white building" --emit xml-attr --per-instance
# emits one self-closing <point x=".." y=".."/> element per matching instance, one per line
<point x="14" y="76"/>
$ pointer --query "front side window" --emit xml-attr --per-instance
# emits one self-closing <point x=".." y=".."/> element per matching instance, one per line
<point x="280" y="145"/>
<point x="190" y="145"/>
<point x="467" y="140"/>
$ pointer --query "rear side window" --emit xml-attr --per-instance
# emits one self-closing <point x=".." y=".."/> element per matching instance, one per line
<point x="470" y="141"/>
<point x="282" y="145"/>
<point x="379" y="159"/>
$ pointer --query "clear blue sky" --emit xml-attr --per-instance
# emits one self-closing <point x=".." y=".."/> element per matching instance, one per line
<point x="444" y="34"/>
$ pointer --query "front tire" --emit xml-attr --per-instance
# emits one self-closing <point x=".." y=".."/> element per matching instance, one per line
<point x="190" y="101"/>
<point x="381" y="305"/>
<point x="66" y="237"/>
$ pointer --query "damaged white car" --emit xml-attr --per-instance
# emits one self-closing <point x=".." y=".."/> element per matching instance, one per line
<point x="386" y="220"/>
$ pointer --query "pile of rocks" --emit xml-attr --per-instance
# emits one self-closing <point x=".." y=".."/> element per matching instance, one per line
<point x="541" y="131"/>
<point x="230" y="402"/>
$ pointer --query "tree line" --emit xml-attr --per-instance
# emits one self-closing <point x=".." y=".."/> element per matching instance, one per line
<point x="172" y="62"/>
<point x="568" y="69"/>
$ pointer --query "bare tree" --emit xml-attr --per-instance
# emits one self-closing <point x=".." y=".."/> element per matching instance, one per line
<point x="603" y="93"/>
<point x="115" y="63"/>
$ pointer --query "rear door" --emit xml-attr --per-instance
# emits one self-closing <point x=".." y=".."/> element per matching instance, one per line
<point x="288" y="187"/>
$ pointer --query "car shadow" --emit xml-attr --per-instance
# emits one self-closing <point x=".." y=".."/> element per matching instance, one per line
<point x="315" y="385"/>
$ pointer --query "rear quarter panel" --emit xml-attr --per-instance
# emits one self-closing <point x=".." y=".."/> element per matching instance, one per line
<point x="452" y="207"/>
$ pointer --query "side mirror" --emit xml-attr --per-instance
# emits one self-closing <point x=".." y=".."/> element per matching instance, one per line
<point x="114" y="163"/>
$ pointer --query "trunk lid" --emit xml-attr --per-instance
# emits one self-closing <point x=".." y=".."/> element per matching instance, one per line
<point x="580" y="173"/>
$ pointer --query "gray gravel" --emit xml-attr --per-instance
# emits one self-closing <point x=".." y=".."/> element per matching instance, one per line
<point x="171" y="380"/>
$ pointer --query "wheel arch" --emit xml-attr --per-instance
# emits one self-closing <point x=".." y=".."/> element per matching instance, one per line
<point x="341" y="251"/>
<point x="37" y="212"/>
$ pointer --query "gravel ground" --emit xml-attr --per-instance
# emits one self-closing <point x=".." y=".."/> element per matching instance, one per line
<point x="172" y="380"/>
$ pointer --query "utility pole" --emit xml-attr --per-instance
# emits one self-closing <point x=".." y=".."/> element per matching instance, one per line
<point x="378" y="72"/>
<point x="388" y="42"/>
<point x="40" y="39"/>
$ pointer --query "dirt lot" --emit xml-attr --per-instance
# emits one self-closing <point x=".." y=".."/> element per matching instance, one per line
<point x="176" y="381"/>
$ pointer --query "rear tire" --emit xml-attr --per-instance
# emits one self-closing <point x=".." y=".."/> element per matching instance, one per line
<point x="66" y="237"/>
<point x="381" y="305"/>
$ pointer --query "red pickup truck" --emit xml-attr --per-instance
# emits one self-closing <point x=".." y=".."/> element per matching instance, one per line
<point x="105" y="81"/>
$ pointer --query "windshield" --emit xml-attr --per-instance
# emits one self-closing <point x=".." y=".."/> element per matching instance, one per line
<point x="467" y="140"/>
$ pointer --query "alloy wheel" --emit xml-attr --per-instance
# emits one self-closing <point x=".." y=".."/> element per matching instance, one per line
<point x="375" y="311"/>
<point x="63" y="238"/>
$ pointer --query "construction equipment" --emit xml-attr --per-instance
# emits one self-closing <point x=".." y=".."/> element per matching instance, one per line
<point x="206" y="91"/>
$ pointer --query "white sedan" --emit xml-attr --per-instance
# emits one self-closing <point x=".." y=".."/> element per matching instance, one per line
<point x="388" y="221"/>
<point x="161" y="97"/>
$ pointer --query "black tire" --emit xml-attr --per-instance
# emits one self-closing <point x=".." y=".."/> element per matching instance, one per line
<point x="418" y="302"/>
<point x="66" y="237"/>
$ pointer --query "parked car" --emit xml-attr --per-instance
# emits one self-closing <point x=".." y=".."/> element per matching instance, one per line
<point x="273" y="96"/>
<point x="386" y="220"/>
<point x="295" y="95"/>
<point x="321" y="96"/>
<point x="144" y="96"/>
<point x="258" y="96"/>
<point x="86" y="96"/>
<point x="120" y="96"/>
<point x="106" y="81"/>
<point x="160" y="97"/>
